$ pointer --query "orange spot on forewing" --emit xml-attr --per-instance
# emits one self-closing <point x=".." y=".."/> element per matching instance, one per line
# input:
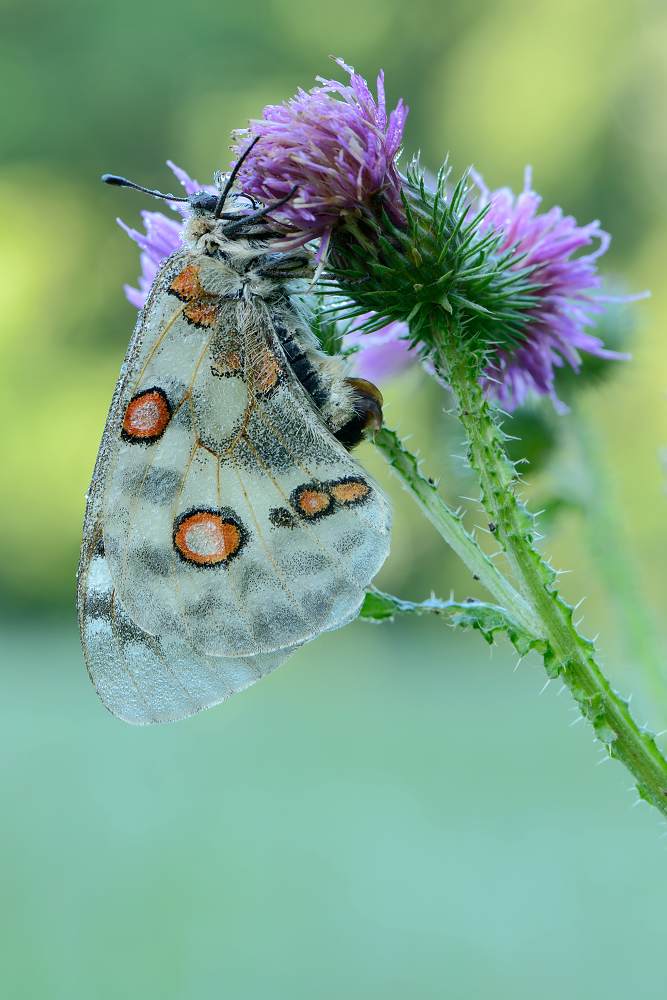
<point x="202" y="313"/>
<point x="186" y="285"/>
<point x="147" y="416"/>
<point x="201" y="310"/>
<point x="312" y="500"/>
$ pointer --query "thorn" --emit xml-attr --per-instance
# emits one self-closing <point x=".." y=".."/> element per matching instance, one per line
<point x="576" y="721"/>
<point x="579" y="604"/>
<point x="577" y="624"/>
<point x="545" y="687"/>
<point x="561" y="691"/>
<point x="608" y="757"/>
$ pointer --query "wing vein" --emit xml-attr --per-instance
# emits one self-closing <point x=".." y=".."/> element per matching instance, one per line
<point x="266" y="548"/>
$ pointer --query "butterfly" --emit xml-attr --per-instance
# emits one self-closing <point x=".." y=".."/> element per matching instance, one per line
<point x="226" y="522"/>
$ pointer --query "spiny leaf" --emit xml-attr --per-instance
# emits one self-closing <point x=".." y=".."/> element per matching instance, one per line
<point x="487" y="618"/>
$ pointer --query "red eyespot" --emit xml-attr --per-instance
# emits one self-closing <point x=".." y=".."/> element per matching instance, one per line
<point x="146" y="417"/>
<point x="207" y="538"/>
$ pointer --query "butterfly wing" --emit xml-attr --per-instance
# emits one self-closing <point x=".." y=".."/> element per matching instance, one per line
<point x="143" y="678"/>
<point x="233" y="526"/>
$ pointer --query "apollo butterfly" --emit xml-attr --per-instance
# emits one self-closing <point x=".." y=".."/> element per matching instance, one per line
<point x="227" y="523"/>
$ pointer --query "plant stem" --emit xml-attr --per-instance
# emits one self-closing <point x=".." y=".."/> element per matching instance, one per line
<point x="568" y="654"/>
<point x="452" y="530"/>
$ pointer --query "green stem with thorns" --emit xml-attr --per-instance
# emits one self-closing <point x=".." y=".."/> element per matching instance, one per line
<point x="535" y="606"/>
<point x="450" y="526"/>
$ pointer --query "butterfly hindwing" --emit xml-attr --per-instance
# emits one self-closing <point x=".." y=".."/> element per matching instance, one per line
<point x="145" y="679"/>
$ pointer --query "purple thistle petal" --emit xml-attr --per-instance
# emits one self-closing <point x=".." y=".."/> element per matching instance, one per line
<point x="134" y="296"/>
<point x="556" y="330"/>
<point x="339" y="151"/>
<point x="162" y="237"/>
<point x="191" y="186"/>
<point x="382" y="354"/>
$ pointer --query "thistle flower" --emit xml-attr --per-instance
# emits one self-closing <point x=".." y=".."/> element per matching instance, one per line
<point x="341" y="154"/>
<point x="563" y="293"/>
<point x="555" y="331"/>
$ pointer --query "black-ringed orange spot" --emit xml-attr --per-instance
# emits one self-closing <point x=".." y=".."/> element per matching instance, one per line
<point x="349" y="491"/>
<point x="201" y="309"/>
<point x="146" y="417"/>
<point x="312" y="500"/>
<point x="208" y="537"/>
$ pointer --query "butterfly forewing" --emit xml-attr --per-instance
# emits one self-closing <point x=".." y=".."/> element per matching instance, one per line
<point x="226" y="525"/>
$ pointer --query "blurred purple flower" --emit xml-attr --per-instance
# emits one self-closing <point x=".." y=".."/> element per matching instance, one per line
<point x="162" y="237"/>
<point x="555" y="332"/>
<point x="382" y="354"/>
<point x="340" y="153"/>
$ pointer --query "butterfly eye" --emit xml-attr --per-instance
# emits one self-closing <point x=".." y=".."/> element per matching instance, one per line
<point x="204" y="202"/>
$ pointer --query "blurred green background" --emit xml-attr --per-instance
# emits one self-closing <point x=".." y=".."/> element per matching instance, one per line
<point x="391" y="814"/>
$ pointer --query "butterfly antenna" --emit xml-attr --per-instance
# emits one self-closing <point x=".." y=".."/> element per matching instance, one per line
<point x="232" y="178"/>
<point x="124" y="183"/>
<point x="261" y="213"/>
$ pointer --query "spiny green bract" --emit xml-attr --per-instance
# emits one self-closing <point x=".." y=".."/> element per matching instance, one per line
<point x="439" y="262"/>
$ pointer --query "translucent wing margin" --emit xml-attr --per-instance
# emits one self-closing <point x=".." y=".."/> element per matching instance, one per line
<point x="144" y="679"/>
